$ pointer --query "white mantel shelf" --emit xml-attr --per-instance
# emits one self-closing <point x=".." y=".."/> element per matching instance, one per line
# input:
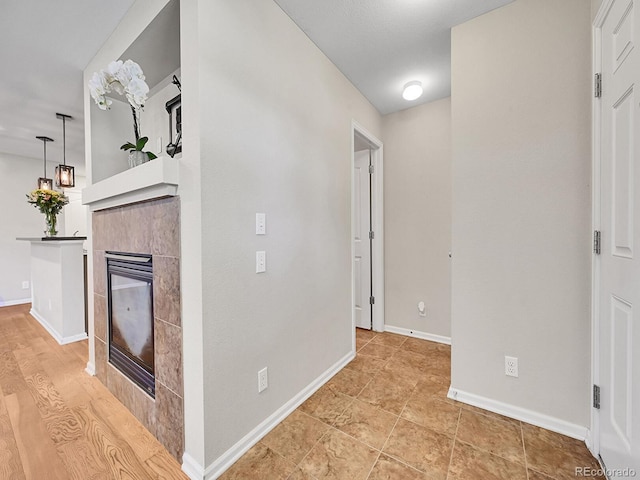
<point x="155" y="179"/>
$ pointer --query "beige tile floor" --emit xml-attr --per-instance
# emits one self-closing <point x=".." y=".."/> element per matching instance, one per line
<point x="386" y="416"/>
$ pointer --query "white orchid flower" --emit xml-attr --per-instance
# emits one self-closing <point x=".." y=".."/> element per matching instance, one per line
<point x="124" y="78"/>
<point x="137" y="91"/>
<point x="98" y="88"/>
<point x="112" y="70"/>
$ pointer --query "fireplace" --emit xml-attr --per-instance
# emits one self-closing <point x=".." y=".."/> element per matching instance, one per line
<point x="148" y="230"/>
<point x="130" y="317"/>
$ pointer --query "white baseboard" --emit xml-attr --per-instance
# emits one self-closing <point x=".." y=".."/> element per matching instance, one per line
<point x="192" y="468"/>
<point x="528" y="416"/>
<point x="61" y="340"/>
<point x="590" y="443"/>
<point x="417" y="334"/>
<point x="195" y="471"/>
<point x="91" y="369"/>
<point x="11" y="303"/>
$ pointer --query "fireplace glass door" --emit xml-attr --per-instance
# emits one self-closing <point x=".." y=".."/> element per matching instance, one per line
<point x="130" y="289"/>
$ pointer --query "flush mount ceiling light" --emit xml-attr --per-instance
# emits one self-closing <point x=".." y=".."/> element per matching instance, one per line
<point x="65" y="176"/>
<point x="412" y="90"/>
<point x="45" y="183"/>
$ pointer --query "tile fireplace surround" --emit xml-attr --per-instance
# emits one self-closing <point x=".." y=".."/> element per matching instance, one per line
<point x="149" y="227"/>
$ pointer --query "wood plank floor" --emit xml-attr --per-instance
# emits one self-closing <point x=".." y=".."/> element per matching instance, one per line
<point x="57" y="422"/>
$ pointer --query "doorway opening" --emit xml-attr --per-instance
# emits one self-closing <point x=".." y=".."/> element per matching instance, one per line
<point x="367" y="246"/>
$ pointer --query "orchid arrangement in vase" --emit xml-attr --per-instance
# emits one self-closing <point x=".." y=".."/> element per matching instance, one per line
<point x="124" y="78"/>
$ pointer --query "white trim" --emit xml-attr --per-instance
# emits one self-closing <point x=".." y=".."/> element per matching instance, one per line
<point x="61" y="340"/>
<point x="589" y="443"/>
<point x="417" y="334"/>
<point x="529" y="416"/>
<point x="11" y="303"/>
<point x="603" y="11"/>
<point x="195" y="471"/>
<point x="150" y="180"/>
<point x="593" y="442"/>
<point x="377" y="207"/>
<point x="91" y="369"/>
<point x="192" y="468"/>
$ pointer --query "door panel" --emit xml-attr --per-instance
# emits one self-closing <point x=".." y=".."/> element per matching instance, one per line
<point x="623" y="35"/>
<point x="361" y="240"/>
<point x="619" y="281"/>
<point x="622" y="184"/>
<point x="621" y="356"/>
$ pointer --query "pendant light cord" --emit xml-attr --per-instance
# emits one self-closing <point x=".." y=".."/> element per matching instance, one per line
<point x="64" y="142"/>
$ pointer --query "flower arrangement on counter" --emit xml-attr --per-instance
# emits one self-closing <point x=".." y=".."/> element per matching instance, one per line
<point x="124" y="78"/>
<point x="49" y="202"/>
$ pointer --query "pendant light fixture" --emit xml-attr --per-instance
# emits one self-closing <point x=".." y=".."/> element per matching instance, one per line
<point x="45" y="183"/>
<point x="65" y="175"/>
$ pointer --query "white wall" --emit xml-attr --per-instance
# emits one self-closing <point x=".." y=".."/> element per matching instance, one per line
<point x="75" y="214"/>
<point x="155" y="119"/>
<point x="275" y="137"/>
<point x="110" y="129"/>
<point x="521" y="101"/>
<point x="20" y="219"/>
<point x="192" y="241"/>
<point x="417" y="194"/>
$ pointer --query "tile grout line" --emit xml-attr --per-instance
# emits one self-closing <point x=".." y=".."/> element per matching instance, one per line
<point x="374" y="464"/>
<point x="307" y="454"/>
<point x="331" y="427"/>
<point x="399" y="417"/>
<point x="453" y="445"/>
<point x="321" y="436"/>
<point x="276" y="453"/>
<point x="384" y="444"/>
<point x="356" y="439"/>
<point x="493" y="454"/>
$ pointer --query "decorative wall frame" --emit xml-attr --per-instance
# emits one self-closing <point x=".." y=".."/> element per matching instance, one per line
<point x="174" y="109"/>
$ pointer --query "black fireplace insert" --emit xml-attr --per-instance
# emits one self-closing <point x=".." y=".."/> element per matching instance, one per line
<point x="130" y="317"/>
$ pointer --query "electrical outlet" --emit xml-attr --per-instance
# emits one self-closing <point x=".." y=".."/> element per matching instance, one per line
<point x="263" y="380"/>
<point x="261" y="223"/>
<point x="511" y="366"/>
<point x="261" y="262"/>
<point x="25" y="285"/>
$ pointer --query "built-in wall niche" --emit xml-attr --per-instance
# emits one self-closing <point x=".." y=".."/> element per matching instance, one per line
<point x="157" y="51"/>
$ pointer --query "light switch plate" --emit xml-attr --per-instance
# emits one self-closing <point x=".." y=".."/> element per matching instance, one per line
<point x="263" y="380"/>
<point x="261" y="262"/>
<point x="261" y="223"/>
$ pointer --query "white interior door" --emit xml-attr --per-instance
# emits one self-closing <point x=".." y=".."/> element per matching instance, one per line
<point x="362" y="250"/>
<point x="619" y="333"/>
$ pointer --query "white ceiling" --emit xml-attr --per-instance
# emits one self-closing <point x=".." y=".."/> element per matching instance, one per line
<point x="378" y="44"/>
<point x="45" y="47"/>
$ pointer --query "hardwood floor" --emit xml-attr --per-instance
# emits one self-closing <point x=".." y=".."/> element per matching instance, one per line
<point x="57" y="422"/>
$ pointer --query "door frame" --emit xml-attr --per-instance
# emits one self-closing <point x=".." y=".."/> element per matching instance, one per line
<point x="593" y="436"/>
<point x="377" y="215"/>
